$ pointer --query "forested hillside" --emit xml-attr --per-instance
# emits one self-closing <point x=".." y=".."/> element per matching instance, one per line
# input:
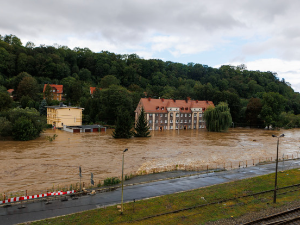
<point x="255" y="98"/>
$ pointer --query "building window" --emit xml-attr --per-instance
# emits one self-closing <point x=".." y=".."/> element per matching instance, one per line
<point x="156" y="114"/>
<point x="161" y="121"/>
<point x="150" y="121"/>
<point x="200" y="115"/>
<point x="177" y="114"/>
<point x="185" y="121"/>
<point x="195" y="121"/>
<point x="166" y="121"/>
<point x="171" y="127"/>
<point x="194" y="126"/>
<point x="150" y="114"/>
<point x="171" y="121"/>
<point x="182" y="115"/>
<point x="161" y="115"/>
<point x="156" y="121"/>
<point x="185" y="115"/>
<point x="177" y="121"/>
<point x="190" y="115"/>
<point x="171" y="115"/>
<point x="189" y="121"/>
<point x="189" y="127"/>
<point x="181" y="121"/>
<point x="195" y="114"/>
<point x="166" y="115"/>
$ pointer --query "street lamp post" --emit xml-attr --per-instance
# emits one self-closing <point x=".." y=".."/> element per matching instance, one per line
<point x="122" y="180"/>
<point x="275" y="188"/>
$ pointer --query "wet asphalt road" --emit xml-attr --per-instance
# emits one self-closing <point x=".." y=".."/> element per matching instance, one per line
<point x="39" y="210"/>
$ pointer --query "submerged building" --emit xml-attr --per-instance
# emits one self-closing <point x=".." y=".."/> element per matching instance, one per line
<point x="172" y="114"/>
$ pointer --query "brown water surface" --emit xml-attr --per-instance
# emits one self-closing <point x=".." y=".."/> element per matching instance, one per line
<point x="40" y="164"/>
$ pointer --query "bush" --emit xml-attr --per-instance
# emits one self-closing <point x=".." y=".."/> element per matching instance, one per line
<point x="22" y="124"/>
<point x="111" y="181"/>
<point x="6" y="127"/>
<point x="24" y="130"/>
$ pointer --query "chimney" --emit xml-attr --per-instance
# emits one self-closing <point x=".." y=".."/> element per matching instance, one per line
<point x="162" y="99"/>
<point x="149" y="99"/>
<point x="196" y="101"/>
<point x="206" y="101"/>
<point x="174" y="100"/>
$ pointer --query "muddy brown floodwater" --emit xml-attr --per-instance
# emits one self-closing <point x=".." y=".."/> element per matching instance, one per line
<point x="40" y="164"/>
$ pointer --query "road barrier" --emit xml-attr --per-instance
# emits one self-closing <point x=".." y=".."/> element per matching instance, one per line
<point x="16" y="199"/>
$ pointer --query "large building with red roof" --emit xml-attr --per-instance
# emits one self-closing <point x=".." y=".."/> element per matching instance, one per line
<point x="171" y="114"/>
<point x="57" y="91"/>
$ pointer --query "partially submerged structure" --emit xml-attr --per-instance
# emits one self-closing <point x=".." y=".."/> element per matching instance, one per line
<point x="172" y="114"/>
<point x="60" y="115"/>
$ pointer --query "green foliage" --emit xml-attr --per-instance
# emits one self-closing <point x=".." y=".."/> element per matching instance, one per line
<point x="111" y="181"/>
<point x="23" y="129"/>
<point x="48" y="94"/>
<point x="50" y="139"/>
<point x="142" y="127"/>
<point x="6" y="127"/>
<point x="218" y="119"/>
<point x="5" y="101"/>
<point x="123" y="125"/>
<point x="42" y="108"/>
<point x="273" y="106"/>
<point x="109" y="80"/>
<point x="80" y="68"/>
<point x="253" y="110"/>
<point x="28" y="86"/>
<point x="26" y="124"/>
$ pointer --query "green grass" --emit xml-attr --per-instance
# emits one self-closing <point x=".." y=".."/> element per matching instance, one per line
<point x="168" y="203"/>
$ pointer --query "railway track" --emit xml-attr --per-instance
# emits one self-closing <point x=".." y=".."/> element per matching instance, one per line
<point x="287" y="217"/>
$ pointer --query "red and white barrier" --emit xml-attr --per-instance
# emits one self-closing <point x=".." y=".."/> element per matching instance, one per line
<point x="16" y="199"/>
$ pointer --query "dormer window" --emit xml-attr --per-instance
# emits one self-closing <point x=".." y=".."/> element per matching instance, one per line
<point x="186" y="108"/>
<point x="157" y="107"/>
<point x="162" y="108"/>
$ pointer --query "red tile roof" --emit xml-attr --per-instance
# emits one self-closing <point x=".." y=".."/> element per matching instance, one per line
<point x="10" y="91"/>
<point x="92" y="89"/>
<point x="161" y="105"/>
<point x="59" y="88"/>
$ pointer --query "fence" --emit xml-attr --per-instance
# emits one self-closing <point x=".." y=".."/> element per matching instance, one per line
<point x="229" y="165"/>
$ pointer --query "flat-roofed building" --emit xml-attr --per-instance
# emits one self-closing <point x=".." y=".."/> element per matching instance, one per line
<point x="171" y="114"/>
<point x="61" y="115"/>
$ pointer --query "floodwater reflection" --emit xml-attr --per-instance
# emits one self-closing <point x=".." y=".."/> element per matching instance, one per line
<point x="39" y="164"/>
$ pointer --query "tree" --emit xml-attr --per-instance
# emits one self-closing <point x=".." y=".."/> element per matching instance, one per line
<point x="142" y="127"/>
<point x="123" y="125"/>
<point x="42" y="108"/>
<point x="28" y="87"/>
<point x="24" y="130"/>
<point x="273" y="105"/>
<point x="6" y="127"/>
<point x="108" y="81"/>
<point x="218" y="119"/>
<point x="48" y="94"/>
<point x="26" y="124"/>
<point x="5" y="101"/>
<point x="253" y="111"/>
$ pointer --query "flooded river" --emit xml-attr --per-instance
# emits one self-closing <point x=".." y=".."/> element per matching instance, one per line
<point x="40" y="164"/>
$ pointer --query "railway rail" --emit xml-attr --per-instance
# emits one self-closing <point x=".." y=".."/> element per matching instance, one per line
<point x="291" y="216"/>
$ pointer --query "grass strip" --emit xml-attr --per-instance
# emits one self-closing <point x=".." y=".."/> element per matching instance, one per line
<point x="136" y="213"/>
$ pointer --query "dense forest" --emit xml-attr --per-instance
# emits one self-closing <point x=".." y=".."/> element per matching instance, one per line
<point x="255" y="98"/>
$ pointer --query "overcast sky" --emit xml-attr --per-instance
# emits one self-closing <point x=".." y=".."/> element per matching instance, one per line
<point x="263" y="34"/>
